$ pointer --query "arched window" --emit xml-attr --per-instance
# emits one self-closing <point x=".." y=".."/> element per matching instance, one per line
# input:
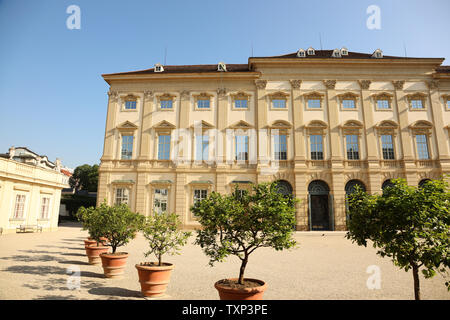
<point x="387" y="184"/>
<point x="422" y="182"/>
<point x="350" y="186"/>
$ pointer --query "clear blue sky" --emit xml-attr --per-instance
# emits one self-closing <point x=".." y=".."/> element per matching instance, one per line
<point x="53" y="99"/>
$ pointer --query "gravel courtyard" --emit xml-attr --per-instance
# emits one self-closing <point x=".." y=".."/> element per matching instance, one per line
<point x="35" y="266"/>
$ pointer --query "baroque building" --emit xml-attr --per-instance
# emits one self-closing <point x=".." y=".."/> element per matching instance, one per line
<point x="318" y="121"/>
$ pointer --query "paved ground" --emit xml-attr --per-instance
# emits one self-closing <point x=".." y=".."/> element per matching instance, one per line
<point x="34" y="266"/>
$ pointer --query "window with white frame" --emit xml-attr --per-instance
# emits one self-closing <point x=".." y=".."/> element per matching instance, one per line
<point x="122" y="195"/>
<point x="19" y="206"/>
<point x="280" y="147"/>
<point x="45" y="206"/>
<point x="383" y="104"/>
<point x="130" y="105"/>
<point x="316" y="143"/>
<point x="314" y="103"/>
<point x="241" y="148"/>
<point x="203" y="104"/>
<point x="352" y="147"/>
<point x="127" y="147"/>
<point x="164" y="147"/>
<point x="200" y="194"/>
<point x="202" y="147"/>
<point x="160" y="200"/>
<point x="166" y="104"/>
<point x="422" y="147"/>
<point x="241" y="104"/>
<point x="387" y="146"/>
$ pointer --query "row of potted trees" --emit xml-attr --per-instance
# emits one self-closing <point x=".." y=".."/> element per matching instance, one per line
<point x="235" y="224"/>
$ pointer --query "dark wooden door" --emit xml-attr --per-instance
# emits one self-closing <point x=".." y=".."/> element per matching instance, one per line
<point x="320" y="213"/>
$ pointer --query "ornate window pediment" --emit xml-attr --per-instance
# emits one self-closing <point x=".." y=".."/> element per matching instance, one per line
<point x="129" y="102"/>
<point x="352" y="127"/>
<point x="446" y="98"/>
<point x="280" y="124"/>
<point x="278" y="100"/>
<point x="421" y="127"/>
<point x="316" y="127"/>
<point x="387" y="127"/>
<point x="203" y="101"/>
<point x="348" y="100"/>
<point x="127" y="126"/>
<point x="201" y="124"/>
<point x="314" y="100"/>
<point x="241" y="125"/>
<point x="240" y="100"/>
<point x="164" y="125"/>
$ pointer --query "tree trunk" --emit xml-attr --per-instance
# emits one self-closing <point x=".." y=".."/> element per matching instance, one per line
<point x="242" y="270"/>
<point x="416" y="282"/>
<point x="159" y="260"/>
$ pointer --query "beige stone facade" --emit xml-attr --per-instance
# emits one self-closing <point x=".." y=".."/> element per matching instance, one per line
<point x="372" y="118"/>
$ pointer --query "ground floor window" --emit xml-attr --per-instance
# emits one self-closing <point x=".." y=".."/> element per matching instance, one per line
<point x="160" y="200"/>
<point x="19" y="206"/>
<point x="45" y="205"/>
<point x="122" y="195"/>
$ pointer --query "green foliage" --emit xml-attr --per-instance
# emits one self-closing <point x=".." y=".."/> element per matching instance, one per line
<point x="408" y="224"/>
<point x="238" y="224"/>
<point x="85" y="177"/>
<point x="162" y="231"/>
<point x="118" y="223"/>
<point x="74" y="202"/>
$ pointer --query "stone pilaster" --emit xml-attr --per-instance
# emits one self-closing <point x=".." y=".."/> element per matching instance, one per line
<point x="333" y="122"/>
<point x="261" y="112"/>
<point x="301" y="192"/>
<point x="299" y="138"/>
<point x="144" y="151"/>
<point x="110" y="127"/>
<point x="180" y="198"/>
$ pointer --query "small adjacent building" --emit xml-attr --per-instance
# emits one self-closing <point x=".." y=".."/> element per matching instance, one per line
<point x="30" y="190"/>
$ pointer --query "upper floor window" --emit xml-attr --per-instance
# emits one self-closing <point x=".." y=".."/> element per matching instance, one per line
<point x="352" y="147"/>
<point x="127" y="147"/>
<point x="130" y="105"/>
<point x="19" y="206"/>
<point x="164" y="147"/>
<point x="202" y="147"/>
<point x="160" y="200"/>
<point x="387" y="147"/>
<point x="383" y="104"/>
<point x="448" y="104"/>
<point x="122" y="195"/>
<point x="241" y="104"/>
<point x="416" y="104"/>
<point x="280" y="147"/>
<point x="422" y="147"/>
<point x="166" y="104"/>
<point x="348" y="104"/>
<point x="314" y="103"/>
<point x="241" y="150"/>
<point x="316" y="147"/>
<point x="203" y="104"/>
<point x="279" y="103"/>
<point x="45" y="204"/>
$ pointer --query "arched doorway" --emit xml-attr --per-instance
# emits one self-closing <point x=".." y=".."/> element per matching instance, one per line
<point x="320" y="206"/>
<point x="349" y="189"/>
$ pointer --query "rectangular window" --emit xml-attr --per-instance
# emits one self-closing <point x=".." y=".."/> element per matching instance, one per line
<point x="202" y="147"/>
<point x="383" y="104"/>
<point x="387" y="146"/>
<point x="130" y="105"/>
<point x="164" y="147"/>
<point x="416" y="104"/>
<point x="316" y="147"/>
<point x="127" y="147"/>
<point x="200" y="194"/>
<point x="348" y="104"/>
<point x="122" y="195"/>
<point x="45" y="203"/>
<point x="352" y="147"/>
<point x="19" y="206"/>
<point x="241" y="148"/>
<point x="279" y="103"/>
<point x="240" y="104"/>
<point x="422" y="147"/>
<point x="280" y="147"/>
<point x="166" y="104"/>
<point x="203" y="104"/>
<point x="448" y="104"/>
<point x="314" y="103"/>
<point x="160" y="200"/>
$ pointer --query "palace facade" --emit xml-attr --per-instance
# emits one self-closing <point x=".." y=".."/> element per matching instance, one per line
<point x="318" y="121"/>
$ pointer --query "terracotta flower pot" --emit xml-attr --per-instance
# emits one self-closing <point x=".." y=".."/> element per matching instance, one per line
<point x="227" y="292"/>
<point x="114" y="264"/>
<point x="153" y="278"/>
<point x="90" y="242"/>
<point x="93" y="252"/>
<point x="104" y="241"/>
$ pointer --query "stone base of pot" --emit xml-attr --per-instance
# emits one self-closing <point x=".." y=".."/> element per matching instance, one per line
<point x="93" y="253"/>
<point x="154" y="279"/>
<point x="114" y="264"/>
<point x="229" y="293"/>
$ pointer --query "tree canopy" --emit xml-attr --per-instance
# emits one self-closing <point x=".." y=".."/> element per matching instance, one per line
<point x="85" y="177"/>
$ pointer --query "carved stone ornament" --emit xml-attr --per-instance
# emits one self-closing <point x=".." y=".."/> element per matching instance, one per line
<point x="433" y="84"/>
<point x="398" y="85"/>
<point x="296" y="84"/>
<point x="221" y="92"/>
<point x="364" y="84"/>
<point x="148" y="94"/>
<point x="330" y="84"/>
<point x="261" y="84"/>
<point x="185" y="94"/>
<point x="113" y="95"/>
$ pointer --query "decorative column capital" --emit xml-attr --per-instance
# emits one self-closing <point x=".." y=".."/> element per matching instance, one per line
<point x="295" y="84"/>
<point x="261" y="84"/>
<point x="433" y="84"/>
<point x="398" y="85"/>
<point x="113" y="95"/>
<point x="222" y="92"/>
<point x="364" y="84"/>
<point x="329" y="84"/>
<point x="185" y="94"/>
<point x="148" y="94"/>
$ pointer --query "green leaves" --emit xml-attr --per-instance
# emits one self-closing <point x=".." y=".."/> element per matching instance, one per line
<point x="162" y="231"/>
<point x="410" y="225"/>
<point x="239" y="223"/>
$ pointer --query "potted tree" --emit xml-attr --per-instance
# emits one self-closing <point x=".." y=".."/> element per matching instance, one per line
<point x="240" y="223"/>
<point x="162" y="231"/>
<point x="94" y="245"/>
<point x="118" y="224"/>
